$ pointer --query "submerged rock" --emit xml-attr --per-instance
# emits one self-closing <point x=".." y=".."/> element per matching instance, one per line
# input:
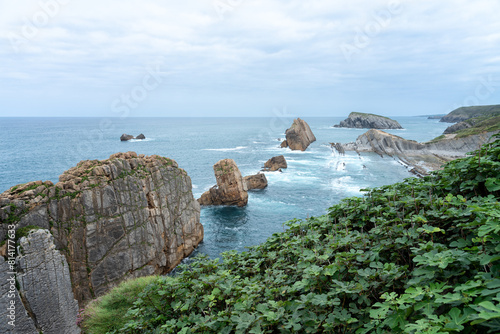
<point x="368" y="121"/>
<point x="230" y="188"/>
<point x="257" y="181"/>
<point x="275" y="163"/>
<point x="299" y="136"/>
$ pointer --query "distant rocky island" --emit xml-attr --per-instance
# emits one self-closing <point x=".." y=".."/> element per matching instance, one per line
<point x="126" y="137"/>
<point x="465" y="113"/>
<point x="368" y="121"/>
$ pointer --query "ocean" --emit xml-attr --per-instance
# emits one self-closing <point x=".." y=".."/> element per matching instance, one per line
<point x="42" y="148"/>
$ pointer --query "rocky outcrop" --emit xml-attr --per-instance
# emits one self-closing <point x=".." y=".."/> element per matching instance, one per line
<point x="230" y="188"/>
<point x="275" y="163"/>
<point x="127" y="216"/>
<point x="368" y="121"/>
<point x="457" y="127"/>
<point x="45" y="283"/>
<point x="299" y="136"/>
<point x="126" y="137"/>
<point x="257" y="181"/>
<point x="423" y="157"/>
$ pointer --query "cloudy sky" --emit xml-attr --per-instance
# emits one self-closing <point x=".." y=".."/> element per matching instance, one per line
<point x="247" y="57"/>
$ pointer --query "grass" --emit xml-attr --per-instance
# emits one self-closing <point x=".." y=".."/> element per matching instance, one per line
<point x="365" y="114"/>
<point x="481" y="125"/>
<point x="106" y="314"/>
<point x="476" y="111"/>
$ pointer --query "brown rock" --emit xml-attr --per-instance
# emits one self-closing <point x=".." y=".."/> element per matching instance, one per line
<point x="125" y="137"/>
<point x="257" y="181"/>
<point x="230" y="188"/>
<point x="299" y="136"/>
<point x="275" y="163"/>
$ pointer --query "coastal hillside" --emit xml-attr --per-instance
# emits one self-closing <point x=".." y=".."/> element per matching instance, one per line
<point x="464" y="113"/>
<point x="419" y="256"/>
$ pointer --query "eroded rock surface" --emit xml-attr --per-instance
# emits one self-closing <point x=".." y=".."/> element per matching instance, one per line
<point x="299" y="136"/>
<point x="230" y="188"/>
<point x="257" y="181"/>
<point x="275" y="163"/>
<point x="368" y="121"/>
<point x="45" y="282"/>
<point x="127" y="216"/>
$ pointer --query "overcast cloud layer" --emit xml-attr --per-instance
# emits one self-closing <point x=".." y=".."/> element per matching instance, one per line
<point x="247" y="57"/>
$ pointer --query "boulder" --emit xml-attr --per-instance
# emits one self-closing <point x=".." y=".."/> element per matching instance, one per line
<point x="230" y="188"/>
<point x="257" y="181"/>
<point x="299" y="136"/>
<point x="275" y="163"/>
<point x="368" y="121"/>
<point x="126" y="137"/>
<point x="141" y="136"/>
<point x="127" y="216"/>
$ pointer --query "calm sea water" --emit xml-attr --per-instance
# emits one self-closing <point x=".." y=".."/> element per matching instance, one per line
<point x="42" y="148"/>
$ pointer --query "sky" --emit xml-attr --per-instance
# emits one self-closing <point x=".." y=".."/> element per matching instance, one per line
<point x="201" y="58"/>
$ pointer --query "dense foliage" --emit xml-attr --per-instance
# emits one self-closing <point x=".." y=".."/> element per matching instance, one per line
<point x="421" y="256"/>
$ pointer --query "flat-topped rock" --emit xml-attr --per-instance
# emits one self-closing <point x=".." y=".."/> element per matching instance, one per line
<point x="275" y="163"/>
<point x="230" y="188"/>
<point x="257" y="181"/>
<point x="299" y="136"/>
<point x="368" y="121"/>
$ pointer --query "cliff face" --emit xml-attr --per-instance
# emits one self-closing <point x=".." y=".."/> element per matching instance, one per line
<point x="127" y="216"/>
<point x="424" y="157"/>
<point x="368" y="121"/>
<point x="230" y="188"/>
<point x="299" y="136"/>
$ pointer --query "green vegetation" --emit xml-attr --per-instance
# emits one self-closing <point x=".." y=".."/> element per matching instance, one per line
<point x="106" y="313"/>
<point x="480" y="125"/>
<point x="475" y="111"/>
<point x="23" y="231"/>
<point x="420" y="256"/>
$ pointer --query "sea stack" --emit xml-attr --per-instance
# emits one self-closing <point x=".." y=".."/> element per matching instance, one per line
<point x="230" y="188"/>
<point x="257" y="181"/>
<point x="299" y="136"/>
<point x="275" y="163"/>
<point x="359" y="120"/>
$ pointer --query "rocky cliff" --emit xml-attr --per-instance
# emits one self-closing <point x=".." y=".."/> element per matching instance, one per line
<point x="423" y="157"/>
<point x="127" y="216"/>
<point x="299" y="136"/>
<point x="368" y="121"/>
<point x="230" y="188"/>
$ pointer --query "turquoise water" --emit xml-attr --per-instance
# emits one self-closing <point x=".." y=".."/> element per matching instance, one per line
<point x="42" y="148"/>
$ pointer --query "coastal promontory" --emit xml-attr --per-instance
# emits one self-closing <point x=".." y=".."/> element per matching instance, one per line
<point x="368" y="121"/>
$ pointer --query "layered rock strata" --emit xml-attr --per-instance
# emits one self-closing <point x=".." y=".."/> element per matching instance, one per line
<point x="127" y="216"/>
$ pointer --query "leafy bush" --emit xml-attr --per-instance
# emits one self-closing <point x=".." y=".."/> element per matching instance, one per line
<point x="420" y="256"/>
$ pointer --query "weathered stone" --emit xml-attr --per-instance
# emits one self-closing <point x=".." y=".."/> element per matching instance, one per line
<point x="275" y="163"/>
<point x="230" y="188"/>
<point x="368" y="121"/>
<point x="9" y="298"/>
<point x="45" y="283"/>
<point x="141" y="136"/>
<point x="457" y="127"/>
<point x="257" y="181"/>
<point x="299" y="136"/>
<point x="123" y="217"/>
